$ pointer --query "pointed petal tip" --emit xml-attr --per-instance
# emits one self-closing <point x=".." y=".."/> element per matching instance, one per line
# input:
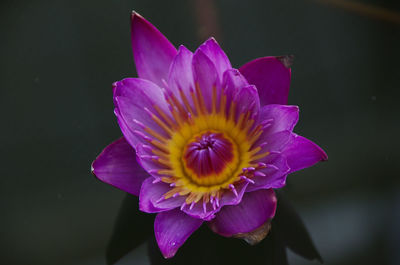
<point x="116" y="167"/>
<point x="135" y="14"/>
<point x="303" y="153"/>
<point x="183" y="48"/>
<point x="168" y="254"/>
<point x="152" y="51"/>
<point x="92" y="171"/>
<point x="212" y="39"/>
<point x="172" y="229"/>
<point x="91" y="167"/>
<point x="324" y="156"/>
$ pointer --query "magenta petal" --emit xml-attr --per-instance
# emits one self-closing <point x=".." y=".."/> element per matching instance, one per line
<point x="205" y="76"/>
<point x="283" y="117"/>
<point x="181" y="74"/>
<point x="237" y="89"/>
<point x="129" y="136"/>
<point x="197" y="211"/>
<point x="172" y="229"/>
<point x="228" y="198"/>
<point x="273" y="176"/>
<point x="134" y="99"/>
<point x="271" y="77"/>
<point x="301" y="153"/>
<point x="141" y="91"/>
<point x="152" y="52"/>
<point x="255" y="209"/>
<point x="150" y="198"/>
<point x="144" y="156"/>
<point x="116" y="165"/>
<point x="274" y="142"/>
<point x="232" y="81"/>
<point x="247" y="100"/>
<point x="213" y="51"/>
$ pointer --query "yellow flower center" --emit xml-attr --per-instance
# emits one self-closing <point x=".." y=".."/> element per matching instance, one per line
<point x="207" y="148"/>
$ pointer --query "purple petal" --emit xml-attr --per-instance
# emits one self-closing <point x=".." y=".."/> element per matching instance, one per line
<point x="255" y="209"/>
<point x="273" y="176"/>
<point x="150" y="198"/>
<point x="172" y="229"/>
<point x="232" y="83"/>
<point x="152" y="51"/>
<point x="238" y="90"/>
<point x="233" y="80"/>
<point x="116" y="165"/>
<point x="181" y="73"/>
<point x="216" y="55"/>
<point x="271" y="77"/>
<point x="129" y="136"/>
<point x="134" y="97"/>
<point x="248" y="100"/>
<point x="197" y="211"/>
<point x="301" y="153"/>
<point x="283" y="117"/>
<point x="228" y="198"/>
<point x="146" y="159"/>
<point x="205" y="76"/>
<point x="273" y="142"/>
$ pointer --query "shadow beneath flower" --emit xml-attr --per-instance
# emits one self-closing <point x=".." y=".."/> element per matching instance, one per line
<point x="204" y="247"/>
<point x="132" y="228"/>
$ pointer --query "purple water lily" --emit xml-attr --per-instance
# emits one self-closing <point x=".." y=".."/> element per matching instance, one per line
<point x="203" y="142"/>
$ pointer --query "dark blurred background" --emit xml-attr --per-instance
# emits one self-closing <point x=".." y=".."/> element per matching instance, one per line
<point x="59" y="58"/>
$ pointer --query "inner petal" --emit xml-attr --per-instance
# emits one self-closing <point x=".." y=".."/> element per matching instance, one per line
<point x="208" y="154"/>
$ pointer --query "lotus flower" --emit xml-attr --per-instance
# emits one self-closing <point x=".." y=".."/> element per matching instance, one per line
<point x="203" y="142"/>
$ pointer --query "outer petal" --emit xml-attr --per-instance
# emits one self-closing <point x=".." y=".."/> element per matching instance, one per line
<point x="301" y="153"/>
<point x="281" y="117"/>
<point x="134" y="98"/>
<point x="255" y="209"/>
<point x="150" y="198"/>
<point x="216" y="55"/>
<point x="172" y="229"/>
<point x="152" y="52"/>
<point x="116" y="165"/>
<point x="271" y="77"/>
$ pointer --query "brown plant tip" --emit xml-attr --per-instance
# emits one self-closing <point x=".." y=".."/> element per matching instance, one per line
<point x="286" y="60"/>
<point x="257" y="235"/>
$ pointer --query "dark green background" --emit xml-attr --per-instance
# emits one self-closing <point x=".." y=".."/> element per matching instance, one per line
<point x="59" y="58"/>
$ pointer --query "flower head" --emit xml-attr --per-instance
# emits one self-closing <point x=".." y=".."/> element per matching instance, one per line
<point x="203" y="142"/>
